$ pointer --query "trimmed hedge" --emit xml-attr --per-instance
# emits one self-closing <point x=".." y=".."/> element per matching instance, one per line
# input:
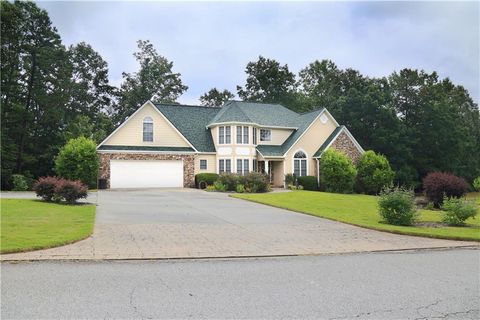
<point x="337" y="172"/>
<point x="438" y="185"/>
<point x="207" y="179"/>
<point x="308" y="182"/>
<point x="374" y="172"/>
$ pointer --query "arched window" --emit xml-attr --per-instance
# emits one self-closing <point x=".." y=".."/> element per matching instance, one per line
<point x="147" y="129"/>
<point x="300" y="164"/>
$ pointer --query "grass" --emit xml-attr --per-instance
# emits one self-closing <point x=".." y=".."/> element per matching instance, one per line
<point x="362" y="211"/>
<point x="33" y="224"/>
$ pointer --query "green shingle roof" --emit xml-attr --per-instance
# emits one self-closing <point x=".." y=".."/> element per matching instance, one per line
<point x="192" y="123"/>
<point x="264" y="114"/>
<point x="324" y="146"/>
<point x="145" y="148"/>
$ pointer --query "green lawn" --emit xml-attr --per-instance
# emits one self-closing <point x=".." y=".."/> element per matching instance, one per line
<point x="361" y="210"/>
<point x="32" y="224"/>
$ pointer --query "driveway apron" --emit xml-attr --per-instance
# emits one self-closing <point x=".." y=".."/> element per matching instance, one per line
<point x="188" y="223"/>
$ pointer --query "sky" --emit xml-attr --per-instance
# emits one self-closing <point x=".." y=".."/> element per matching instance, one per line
<point x="210" y="43"/>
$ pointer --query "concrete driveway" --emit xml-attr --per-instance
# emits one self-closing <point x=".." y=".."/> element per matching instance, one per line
<point x="186" y="223"/>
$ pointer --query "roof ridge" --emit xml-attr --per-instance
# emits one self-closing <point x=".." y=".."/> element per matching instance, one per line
<point x="307" y="112"/>
<point x="184" y="105"/>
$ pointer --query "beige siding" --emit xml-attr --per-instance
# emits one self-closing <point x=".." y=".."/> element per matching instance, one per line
<point x="131" y="133"/>
<point x="278" y="136"/>
<point x="278" y="175"/>
<point x="310" y="142"/>
<point x="211" y="163"/>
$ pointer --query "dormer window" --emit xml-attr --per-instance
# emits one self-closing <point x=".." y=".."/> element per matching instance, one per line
<point x="147" y="129"/>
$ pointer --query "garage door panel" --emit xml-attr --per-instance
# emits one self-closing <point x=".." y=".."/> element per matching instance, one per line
<point x="146" y="173"/>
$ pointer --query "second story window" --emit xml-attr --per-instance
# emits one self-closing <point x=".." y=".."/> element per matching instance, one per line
<point x="242" y="135"/>
<point x="265" y="135"/>
<point x="224" y="135"/>
<point x="147" y="129"/>
<point x="254" y="136"/>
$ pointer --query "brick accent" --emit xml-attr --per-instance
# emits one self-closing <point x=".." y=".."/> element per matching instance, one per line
<point x="188" y="164"/>
<point x="344" y="144"/>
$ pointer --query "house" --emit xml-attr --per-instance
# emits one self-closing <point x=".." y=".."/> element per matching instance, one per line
<point x="165" y="145"/>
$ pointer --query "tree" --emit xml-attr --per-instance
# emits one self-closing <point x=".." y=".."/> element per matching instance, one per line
<point x="34" y="77"/>
<point x="268" y="81"/>
<point x="154" y="81"/>
<point x="374" y="172"/>
<point x="337" y="172"/>
<point x="215" y="98"/>
<point x="78" y="160"/>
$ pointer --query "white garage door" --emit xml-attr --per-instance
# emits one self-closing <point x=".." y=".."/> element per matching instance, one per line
<point x="146" y="173"/>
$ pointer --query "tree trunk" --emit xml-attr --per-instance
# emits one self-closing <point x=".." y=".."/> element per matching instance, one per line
<point x="28" y="102"/>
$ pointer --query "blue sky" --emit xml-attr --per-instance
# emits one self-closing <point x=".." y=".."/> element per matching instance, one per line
<point x="210" y="43"/>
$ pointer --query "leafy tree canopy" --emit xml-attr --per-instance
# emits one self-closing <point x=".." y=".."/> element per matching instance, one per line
<point x="215" y="98"/>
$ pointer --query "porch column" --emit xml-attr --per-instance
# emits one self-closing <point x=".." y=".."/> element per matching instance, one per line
<point x="267" y="171"/>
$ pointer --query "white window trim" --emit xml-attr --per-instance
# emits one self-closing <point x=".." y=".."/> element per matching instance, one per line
<point x="153" y="129"/>
<point x="261" y="135"/>
<point x="250" y="165"/>
<point x="224" y="135"/>
<point x="232" y="164"/>
<point x="200" y="164"/>
<point x="306" y="158"/>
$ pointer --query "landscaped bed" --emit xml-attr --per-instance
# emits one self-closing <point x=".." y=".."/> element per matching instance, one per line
<point x="362" y="210"/>
<point x="33" y="224"/>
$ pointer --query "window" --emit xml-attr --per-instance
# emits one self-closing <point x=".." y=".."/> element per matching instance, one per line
<point x="224" y="166"/>
<point x="147" y="129"/>
<point x="203" y="164"/>
<point x="242" y="166"/>
<point x="221" y="135"/>
<point x="239" y="134"/>
<point x="245" y="135"/>
<point x="255" y="165"/>
<point x="254" y="136"/>
<point x="224" y="135"/>
<point x="265" y="135"/>
<point x="242" y="135"/>
<point x="300" y="164"/>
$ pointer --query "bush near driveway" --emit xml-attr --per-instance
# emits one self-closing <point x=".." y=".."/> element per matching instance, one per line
<point x="438" y="185"/>
<point x="362" y="210"/>
<point x="205" y="179"/>
<point x="337" y="172"/>
<point x="58" y="189"/>
<point x="456" y="211"/>
<point x="308" y="182"/>
<point x="32" y="224"/>
<point x="78" y="160"/>
<point x="397" y="206"/>
<point x="374" y="172"/>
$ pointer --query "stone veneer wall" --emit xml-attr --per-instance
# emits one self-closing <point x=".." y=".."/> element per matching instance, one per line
<point x="188" y="164"/>
<point x="344" y="144"/>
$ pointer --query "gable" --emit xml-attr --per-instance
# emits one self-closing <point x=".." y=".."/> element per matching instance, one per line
<point x="130" y="133"/>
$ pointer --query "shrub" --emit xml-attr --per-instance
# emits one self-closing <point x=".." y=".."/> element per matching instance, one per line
<point x="229" y="180"/>
<point x="397" y="206"/>
<point x="256" y="182"/>
<point x="308" y="182"/>
<point x="219" y="186"/>
<point x="45" y="187"/>
<point x="70" y="190"/>
<point x="210" y="188"/>
<point x="240" y="188"/>
<point x="289" y="179"/>
<point x="337" y="173"/>
<point x="19" y="182"/>
<point x="294" y="187"/>
<point x="78" y="160"/>
<point x="374" y="172"/>
<point x="476" y="184"/>
<point x="456" y="211"/>
<point x="205" y="179"/>
<point x="438" y="185"/>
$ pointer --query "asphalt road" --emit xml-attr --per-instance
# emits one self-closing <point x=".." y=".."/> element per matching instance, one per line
<point x="414" y="285"/>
